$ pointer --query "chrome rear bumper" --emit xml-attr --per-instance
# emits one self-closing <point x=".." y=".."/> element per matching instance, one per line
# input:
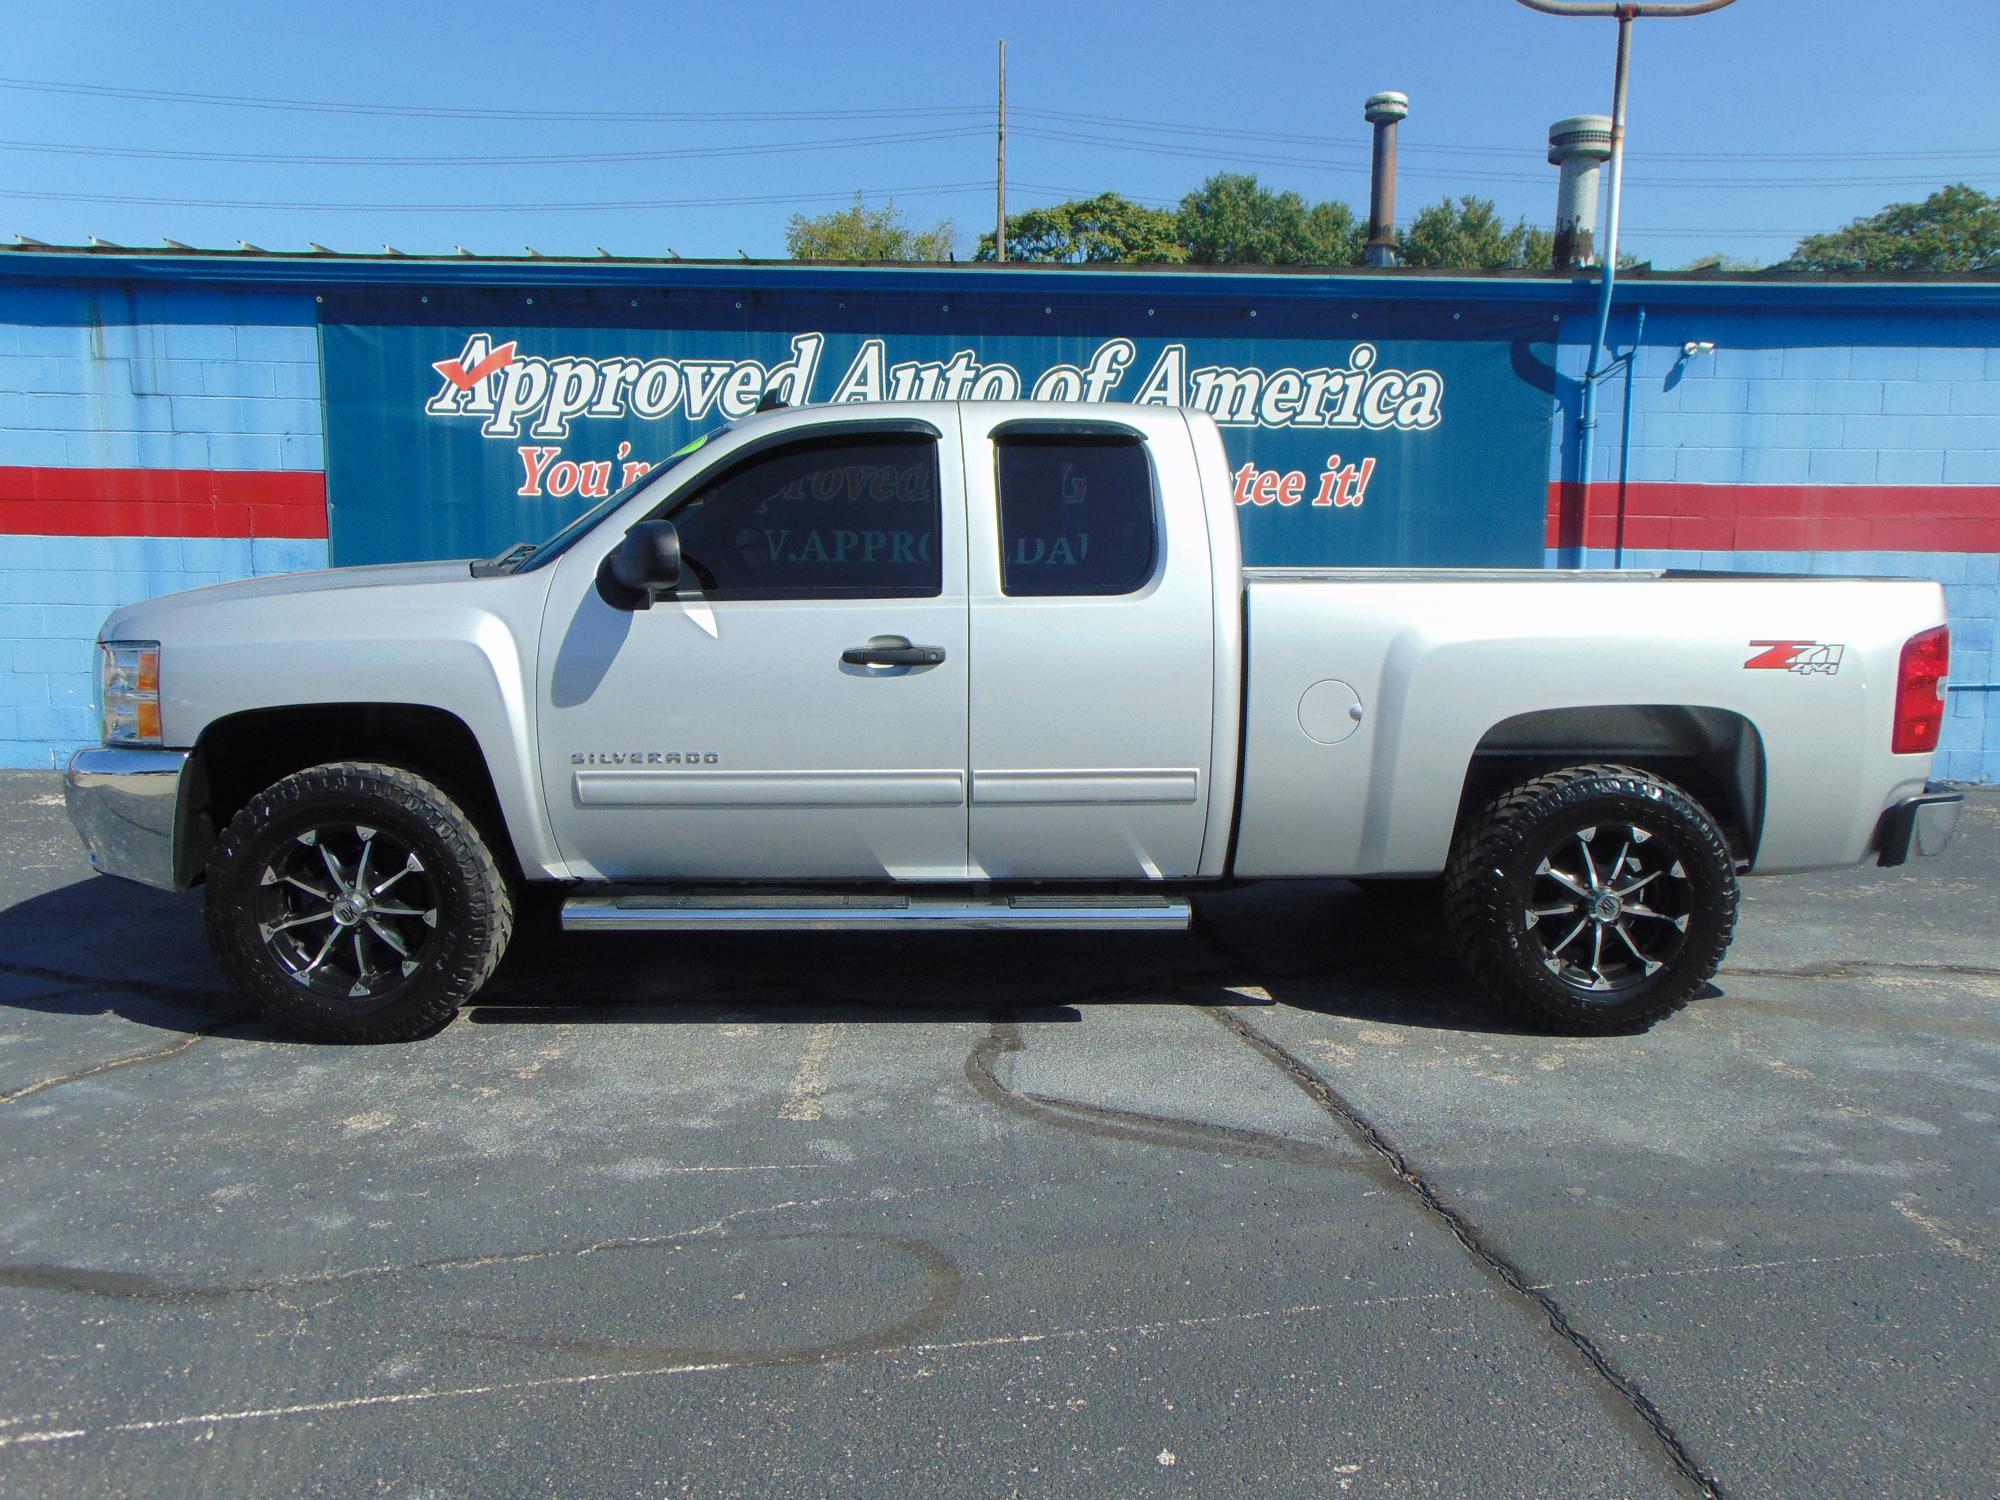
<point x="124" y="804"/>
<point x="1919" y="825"/>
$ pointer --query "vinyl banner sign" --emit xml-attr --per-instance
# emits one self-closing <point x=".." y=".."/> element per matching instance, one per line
<point x="1422" y="441"/>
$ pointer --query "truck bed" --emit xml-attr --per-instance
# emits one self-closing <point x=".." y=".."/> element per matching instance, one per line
<point x="1408" y="677"/>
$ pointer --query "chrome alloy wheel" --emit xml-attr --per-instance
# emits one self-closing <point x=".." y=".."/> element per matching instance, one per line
<point x="347" y="910"/>
<point x="1609" y="907"/>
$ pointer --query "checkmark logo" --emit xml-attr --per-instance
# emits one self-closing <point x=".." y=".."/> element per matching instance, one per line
<point x="466" y="379"/>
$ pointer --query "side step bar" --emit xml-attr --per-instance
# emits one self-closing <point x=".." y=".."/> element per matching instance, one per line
<point x="837" y="913"/>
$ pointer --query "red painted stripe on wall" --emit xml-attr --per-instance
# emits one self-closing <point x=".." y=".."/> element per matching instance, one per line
<point x="161" y="502"/>
<point x="1778" y="517"/>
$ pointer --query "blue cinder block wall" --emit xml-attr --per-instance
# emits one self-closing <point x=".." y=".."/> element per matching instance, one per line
<point x="163" y="425"/>
<point x="152" y="439"/>
<point x="1809" y="441"/>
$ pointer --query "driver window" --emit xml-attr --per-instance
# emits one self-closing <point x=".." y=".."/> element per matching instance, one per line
<point x="824" y="518"/>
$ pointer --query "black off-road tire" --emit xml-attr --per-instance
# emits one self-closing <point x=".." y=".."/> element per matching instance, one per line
<point x="1492" y="882"/>
<point x="473" y="903"/>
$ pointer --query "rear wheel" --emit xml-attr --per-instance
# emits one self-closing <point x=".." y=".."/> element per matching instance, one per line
<point x="1594" y="898"/>
<point x="357" y="901"/>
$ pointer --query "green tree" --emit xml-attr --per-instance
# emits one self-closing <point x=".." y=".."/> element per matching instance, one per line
<point x="864" y="233"/>
<point x="1109" y="227"/>
<point x="1469" y="235"/>
<point x="1232" y="220"/>
<point x="1957" y="228"/>
<point x="1536" y="248"/>
<point x="1333" y="235"/>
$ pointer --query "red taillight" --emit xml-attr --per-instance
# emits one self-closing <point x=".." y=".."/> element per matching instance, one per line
<point x="1920" y="692"/>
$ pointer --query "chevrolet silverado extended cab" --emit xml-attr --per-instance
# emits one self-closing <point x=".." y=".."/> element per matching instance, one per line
<point x="950" y="665"/>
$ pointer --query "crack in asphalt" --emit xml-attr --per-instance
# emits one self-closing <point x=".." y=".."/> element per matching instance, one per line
<point x="1103" y="1121"/>
<point x="1843" y="968"/>
<point x="91" y="1282"/>
<point x="157" y="1054"/>
<point x="1620" y="1386"/>
<point x="1028" y="1339"/>
<point x="1468" y="1235"/>
<point x="1178" y="1132"/>
<point x="939" y="1290"/>
<point x="173" y="994"/>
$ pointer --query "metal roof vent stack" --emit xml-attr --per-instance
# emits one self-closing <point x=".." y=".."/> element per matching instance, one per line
<point x="1383" y="111"/>
<point x="1579" y="145"/>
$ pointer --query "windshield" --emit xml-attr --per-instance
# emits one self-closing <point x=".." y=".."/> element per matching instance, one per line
<point x="548" y="551"/>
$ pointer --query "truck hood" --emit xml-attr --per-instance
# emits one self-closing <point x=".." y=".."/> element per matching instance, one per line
<point x="129" y="623"/>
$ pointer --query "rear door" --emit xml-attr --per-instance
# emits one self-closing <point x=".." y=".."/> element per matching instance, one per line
<point x="1092" y="633"/>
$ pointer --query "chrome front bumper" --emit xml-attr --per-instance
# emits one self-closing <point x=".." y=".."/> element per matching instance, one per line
<point x="1919" y="825"/>
<point x="124" y="804"/>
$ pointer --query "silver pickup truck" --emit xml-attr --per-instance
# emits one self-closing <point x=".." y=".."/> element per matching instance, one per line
<point x="959" y="665"/>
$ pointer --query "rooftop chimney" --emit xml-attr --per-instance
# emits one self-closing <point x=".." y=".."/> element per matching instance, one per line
<point x="1383" y="111"/>
<point x="1579" y="145"/>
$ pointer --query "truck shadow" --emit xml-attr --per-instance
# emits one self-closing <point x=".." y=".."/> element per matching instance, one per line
<point x="109" y="947"/>
<point x="103" y="947"/>
<point x="1321" y="946"/>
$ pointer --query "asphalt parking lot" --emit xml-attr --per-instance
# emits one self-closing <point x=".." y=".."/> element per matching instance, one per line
<point x="1276" y="1207"/>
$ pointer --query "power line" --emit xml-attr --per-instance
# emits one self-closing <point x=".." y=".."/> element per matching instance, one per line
<point x="1072" y="117"/>
<point x="1230" y="153"/>
<point x="573" y="158"/>
<point x="444" y="112"/>
<point x="1681" y="232"/>
<point x="921" y="191"/>
<point x="1767" y="183"/>
<point x="1463" y="149"/>
<point x="926" y="190"/>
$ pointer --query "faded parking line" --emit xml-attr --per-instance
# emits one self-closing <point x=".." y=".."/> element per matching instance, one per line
<point x="1937" y="1230"/>
<point x="803" y="1094"/>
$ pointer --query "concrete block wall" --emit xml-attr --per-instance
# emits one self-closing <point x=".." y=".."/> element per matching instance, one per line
<point x="158" y="434"/>
<point x="151" y="439"/>
<point x="1816" y="442"/>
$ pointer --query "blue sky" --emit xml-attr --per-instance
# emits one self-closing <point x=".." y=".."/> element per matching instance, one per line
<point x="1748" y="127"/>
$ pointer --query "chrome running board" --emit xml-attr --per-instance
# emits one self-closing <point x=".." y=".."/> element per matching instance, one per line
<point x="837" y="913"/>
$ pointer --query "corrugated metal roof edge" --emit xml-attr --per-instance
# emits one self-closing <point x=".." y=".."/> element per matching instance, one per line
<point x="331" y="271"/>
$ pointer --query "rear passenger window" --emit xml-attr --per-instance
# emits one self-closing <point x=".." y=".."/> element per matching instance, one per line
<point x="825" y="518"/>
<point x="1076" y="514"/>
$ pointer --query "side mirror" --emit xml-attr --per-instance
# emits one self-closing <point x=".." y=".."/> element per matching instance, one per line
<point x="642" y="567"/>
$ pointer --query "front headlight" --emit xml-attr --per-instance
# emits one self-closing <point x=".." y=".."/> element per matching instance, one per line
<point x="131" y="692"/>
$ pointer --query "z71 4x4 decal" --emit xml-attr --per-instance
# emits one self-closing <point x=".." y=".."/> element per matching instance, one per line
<point x="1804" y="657"/>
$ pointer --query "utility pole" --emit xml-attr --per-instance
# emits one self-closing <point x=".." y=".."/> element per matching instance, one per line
<point x="1000" y="177"/>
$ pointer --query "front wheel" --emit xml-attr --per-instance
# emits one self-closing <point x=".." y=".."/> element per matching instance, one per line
<point x="1592" y="899"/>
<point x="357" y="901"/>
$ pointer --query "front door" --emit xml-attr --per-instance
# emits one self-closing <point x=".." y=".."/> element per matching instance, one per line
<point x="777" y="717"/>
<point x="1092" y="602"/>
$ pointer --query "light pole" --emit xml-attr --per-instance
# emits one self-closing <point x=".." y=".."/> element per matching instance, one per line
<point x="1625" y="12"/>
